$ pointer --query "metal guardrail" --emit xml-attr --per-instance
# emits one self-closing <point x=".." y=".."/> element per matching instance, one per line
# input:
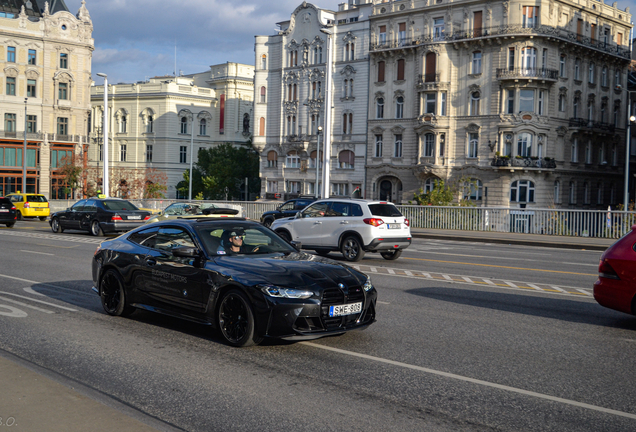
<point x="582" y="223"/>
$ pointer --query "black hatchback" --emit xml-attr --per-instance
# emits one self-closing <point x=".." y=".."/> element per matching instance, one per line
<point x="7" y="212"/>
<point x="99" y="216"/>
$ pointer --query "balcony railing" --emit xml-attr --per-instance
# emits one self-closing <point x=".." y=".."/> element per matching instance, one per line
<point x="427" y="78"/>
<point x="590" y="124"/>
<point x="534" y="73"/>
<point x="525" y="162"/>
<point x="504" y="30"/>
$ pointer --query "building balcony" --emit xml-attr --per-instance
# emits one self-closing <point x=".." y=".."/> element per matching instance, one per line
<point x="591" y="125"/>
<point x="528" y="73"/>
<point x="495" y="32"/>
<point x="523" y="162"/>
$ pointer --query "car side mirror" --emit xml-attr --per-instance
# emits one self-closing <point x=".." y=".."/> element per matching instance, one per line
<point x="186" y="252"/>
<point x="297" y="245"/>
<point x="299" y="215"/>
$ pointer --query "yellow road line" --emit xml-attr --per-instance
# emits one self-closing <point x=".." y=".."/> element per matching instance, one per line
<point x="498" y="266"/>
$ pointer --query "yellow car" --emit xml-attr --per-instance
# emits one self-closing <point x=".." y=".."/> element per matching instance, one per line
<point x="194" y="210"/>
<point x="30" y="205"/>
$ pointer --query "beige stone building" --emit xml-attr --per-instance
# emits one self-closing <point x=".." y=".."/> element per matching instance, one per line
<point x="45" y="52"/>
<point x="163" y="122"/>
<point x="525" y="98"/>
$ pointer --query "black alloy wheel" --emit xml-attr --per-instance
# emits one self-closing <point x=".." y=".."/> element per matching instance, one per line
<point x="113" y="295"/>
<point x="284" y="235"/>
<point x="19" y="215"/>
<point x="42" y="218"/>
<point x="236" y="320"/>
<point x="391" y="255"/>
<point x="352" y="249"/>
<point x="268" y="222"/>
<point x="55" y="226"/>
<point x="10" y="224"/>
<point x="96" y="230"/>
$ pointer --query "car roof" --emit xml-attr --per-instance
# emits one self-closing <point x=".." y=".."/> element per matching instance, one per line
<point x="24" y="193"/>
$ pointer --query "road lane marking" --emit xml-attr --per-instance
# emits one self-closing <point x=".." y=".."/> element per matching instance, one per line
<point x="14" y="312"/>
<point x="391" y="271"/>
<point x="39" y="253"/>
<point x="32" y="291"/>
<point x="534" y="287"/>
<point x="474" y="381"/>
<point x="408" y="273"/>
<point x="39" y="301"/>
<point x="504" y="267"/>
<point x="511" y="284"/>
<point x="26" y="305"/>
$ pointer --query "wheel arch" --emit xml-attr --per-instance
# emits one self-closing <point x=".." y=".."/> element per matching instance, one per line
<point x="350" y="233"/>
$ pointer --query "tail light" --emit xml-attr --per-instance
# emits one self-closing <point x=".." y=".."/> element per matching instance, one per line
<point x="406" y="222"/>
<point x="116" y="218"/>
<point x="97" y="250"/>
<point x="373" y="221"/>
<point x="605" y="270"/>
<point x="47" y="205"/>
<point x="147" y="217"/>
<point x="14" y="208"/>
<point x="27" y="205"/>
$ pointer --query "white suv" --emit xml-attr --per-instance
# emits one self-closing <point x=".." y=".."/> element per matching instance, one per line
<point x="351" y="226"/>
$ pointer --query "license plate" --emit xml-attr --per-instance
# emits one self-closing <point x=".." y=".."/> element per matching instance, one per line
<point x="38" y="209"/>
<point x="394" y="226"/>
<point x="134" y="217"/>
<point x="4" y="211"/>
<point x="348" y="309"/>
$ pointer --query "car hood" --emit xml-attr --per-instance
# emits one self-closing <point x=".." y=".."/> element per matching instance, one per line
<point x="297" y="269"/>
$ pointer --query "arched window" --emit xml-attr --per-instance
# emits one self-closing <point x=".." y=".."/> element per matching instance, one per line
<point x="522" y="191"/>
<point x="429" y="145"/>
<point x="617" y="78"/>
<point x="261" y="126"/>
<point x="272" y="159"/>
<point x="346" y="159"/>
<point x="586" y="193"/>
<point x="524" y="144"/>
<point x="378" y="146"/>
<point x="397" y="146"/>
<point x="399" y="107"/>
<point x="577" y="69"/>
<point x="562" y="103"/>
<point x="474" y="103"/>
<point x="473" y="145"/>
<point x="429" y="184"/>
<point x="473" y="190"/>
<point x="562" y="69"/>
<point x="263" y="61"/>
<point x="122" y="124"/>
<point x="591" y="73"/>
<point x="347" y="123"/>
<point x="379" y="108"/>
<point x="184" y="125"/>
<point x="263" y="94"/>
<point x="604" y="76"/>
<point x="293" y="160"/>
<point x="312" y="159"/>
<point x="150" y="124"/>
<point x="203" y="127"/>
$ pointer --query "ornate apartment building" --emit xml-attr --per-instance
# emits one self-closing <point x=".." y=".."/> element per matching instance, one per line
<point x="290" y="97"/>
<point x="526" y="101"/>
<point x="163" y="122"/>
<point x="45" y="79"/>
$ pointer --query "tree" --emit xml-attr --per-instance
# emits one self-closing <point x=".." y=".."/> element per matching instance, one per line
<point x="444" y="194"/>
<point x="71" y="170"/>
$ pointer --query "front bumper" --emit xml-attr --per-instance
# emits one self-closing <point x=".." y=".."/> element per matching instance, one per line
<point x="614" y="294"/>
<point x="387" y="244"/>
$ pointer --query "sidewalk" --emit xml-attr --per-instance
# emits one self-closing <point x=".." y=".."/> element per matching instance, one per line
<point x="587" y="243"/>
<point x="36" y="400"/>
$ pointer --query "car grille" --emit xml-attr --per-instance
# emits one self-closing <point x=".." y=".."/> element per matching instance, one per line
<point x="336" y="296"/>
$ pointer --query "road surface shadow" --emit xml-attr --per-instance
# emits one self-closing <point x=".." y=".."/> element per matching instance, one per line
<point x="562" y="309"/>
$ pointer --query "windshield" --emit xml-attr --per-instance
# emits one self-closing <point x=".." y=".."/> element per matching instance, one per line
<point x="36" y="198"/>
<point x="119" y="205"/>
<point x="181" y="209"/>
<point x="384" y="210"/>
<point x="240" y="239"/>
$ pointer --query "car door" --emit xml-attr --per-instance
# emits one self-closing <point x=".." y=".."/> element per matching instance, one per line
<point x="339" y="218"/>
<point x="308" y="227"/>
<point x="70" y="218"/>
<point x="87" y="214"/>
<point x="175" y="283"/>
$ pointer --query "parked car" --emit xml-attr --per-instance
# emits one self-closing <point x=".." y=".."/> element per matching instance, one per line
<point x="351" y="226"/>
<point x="287" y="209"/>
<point x="99" y="216"/>
<point x="194" y="210"/>
<point x="187" y="268"/>
<point x="30" y="205"/>
<point x="8" y="212"/>
<point x="616" y="284"/>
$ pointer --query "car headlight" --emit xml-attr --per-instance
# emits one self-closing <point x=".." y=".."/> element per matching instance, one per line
<point x="278" y="292"/>
<point x="368" y="286"/>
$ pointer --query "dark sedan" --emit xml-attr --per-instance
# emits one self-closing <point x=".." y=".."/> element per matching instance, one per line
<point x="99" y="216"/>
<point x="8" y="212"/>
<point x="234" y="275"/>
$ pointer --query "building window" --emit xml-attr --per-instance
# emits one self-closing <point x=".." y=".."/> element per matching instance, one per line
<point x="429" y="185"/>
<point x="183" y="154"/>
<point x="541" y="102"/>
<point x="123" y="124"/>
<point x="381" y="66"/>
<point x="397" y="148"/>
<point x="511" y="59"/>
<point x="184" y="125"/>
<point x="313" y="161"/>
<point x="347" y="123"/>
<point x="510" y="102"/>
<point x="63" y="61"/>
<point x="562" y="103"/>
<point x="431" y="103"/>
<point x="11" y="54"/>
<point x="32" y="57"/>
<point x="575" y="107"/>
<point x="599" y="193"/>
<point x="577" y="69"/>
<point x="442" y="108"/>
<point x="591" y="74"/>
<point x="261" y="126"/>
<point x="31" y="88"/>
<point x="122" y="153"/>
<point x="614" y="156"/>
<point x="529" y="60"/>
<point x="473" y="145"/>
<point x="575" y="150"/>
<point x="530" y="16"/>
<point x="340" y="189"/>
<point x="382" y="35"/>
<point x="263" y="94"/>
<point x="526" y="100"/>
<point x="399" y="107"/>
<point x="604" y="76"/>
<point x="62" y="125"/>
<point x="293" y="160"/>
<point x="524" y="145"/>
<point x="9" y="122"/>
<point x="617" y="78"/>
<point x="572" y="193"/>
<point x="378" y="146"/>
<point x="63" y="91"/>
<point x="203" y="127"/>
<point x="438" y="29"/>
<point x="562" y="65"/>
<point x="272" y="159"/>
<point x="474" y="103"/>
<point x="150" y="124"/>
<point x="401" y="34"/>
<point x="32" y="124"/>
<point x="522" y="191"/>
<point x="10" y="86"/>
<point x="379" y="108"/>
<point x="588" y="153"/>
<point x="476" y="64"/>
<point x="601" y="154"/>
<point x="346" y="159"/>
<point x="263" y="62"/>
<point x="272" y="186"/>
<point x="557" y="190"/>
<point x="400" y="69"/>
<point x="473" y="190"/>
<point x="149" y="153"/>
<point x="429" y="145"/>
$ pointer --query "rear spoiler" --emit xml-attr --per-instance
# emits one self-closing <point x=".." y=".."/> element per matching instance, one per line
<point x="209" y="211"/>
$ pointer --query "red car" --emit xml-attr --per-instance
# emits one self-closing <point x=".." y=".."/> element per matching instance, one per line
<point x="616" y="284"/>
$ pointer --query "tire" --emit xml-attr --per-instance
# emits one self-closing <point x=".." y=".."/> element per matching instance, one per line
<point x="95" y="229"/>
<point x="323" y="252"/>
<point x="113" y="295"/>
<point x="235" y="319"/>
<point x="391" y="255"/>
<point x="284" y="235"/>
<point x="42" y="218"/>
<point x="352" y="249"/>
<point x="55" y="226"/>
<point x="268" y="222"/>
<point x="19" y="215"/>
<point x="10" y="225"/>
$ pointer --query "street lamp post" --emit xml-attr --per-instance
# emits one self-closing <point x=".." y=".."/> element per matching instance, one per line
<point x="105" y="182"/>
<point x="630" y="119"/>
<point x="191" y="155"/>
<point x="317" y="188"/>
<point x="327" y="137"/>
<point x="24" y="155"/>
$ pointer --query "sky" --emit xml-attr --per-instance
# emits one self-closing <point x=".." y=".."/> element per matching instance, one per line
<point x="135" y="40"/>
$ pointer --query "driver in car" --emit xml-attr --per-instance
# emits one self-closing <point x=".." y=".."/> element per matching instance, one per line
<point x="234" y="244"/>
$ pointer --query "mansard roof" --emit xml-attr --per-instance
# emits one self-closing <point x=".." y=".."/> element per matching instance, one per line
<point x="36" y="9"/>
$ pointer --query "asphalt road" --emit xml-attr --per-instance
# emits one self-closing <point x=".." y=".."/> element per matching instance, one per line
<point x="470" y="337"/>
